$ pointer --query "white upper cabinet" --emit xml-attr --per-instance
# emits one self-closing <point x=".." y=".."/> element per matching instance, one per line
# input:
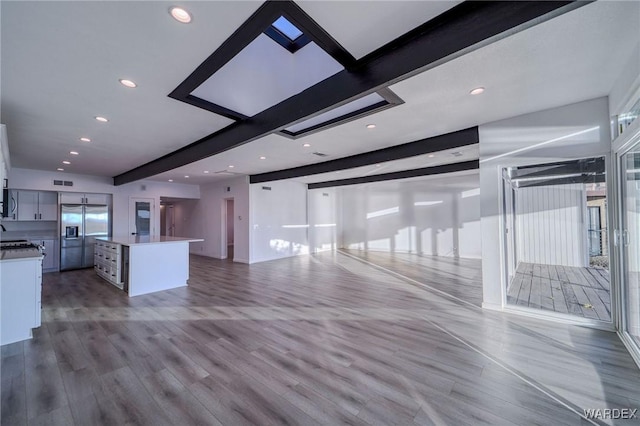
<point x="37" y="205"/>
<point x="80" y="198"/>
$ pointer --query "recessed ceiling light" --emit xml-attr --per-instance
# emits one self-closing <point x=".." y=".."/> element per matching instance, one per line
<point x="307" y="145"/>
<point x="60" y="169"/>
<point x="180" y="15"/>
<point x="377" y="165"/>
<point x="85" y="140"/>
<point x="477" y="91"/>
<point x="170" y="180"/>
<point x="101" y="119"/>
<point x="186" y="176"/>
<point x="127" y="83"/>
<point x="263" y="158"/>
<point x="371" y="126"/>
<point x="430" y="155"/>
<point x="206" y="171"/>
<point x="73" y="152"/>
<point x="66" y="162"/>
<point x="231" y="166"/>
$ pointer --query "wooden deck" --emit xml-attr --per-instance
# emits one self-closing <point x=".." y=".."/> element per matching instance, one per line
<point x="584" y="292"/>
<point x="322" y="339"/>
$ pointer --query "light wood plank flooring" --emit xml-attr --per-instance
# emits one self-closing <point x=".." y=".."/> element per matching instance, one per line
<point x="321" y="339"/>
<point x="584" y="292"/>
<point x="460" y="278"/>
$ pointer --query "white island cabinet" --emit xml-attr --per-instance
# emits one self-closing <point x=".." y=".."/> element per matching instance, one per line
<point x="151" y="264"/>
<point x="20" y="296"/>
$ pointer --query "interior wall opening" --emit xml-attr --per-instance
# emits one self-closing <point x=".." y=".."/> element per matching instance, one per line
<point x="228" y="231"/>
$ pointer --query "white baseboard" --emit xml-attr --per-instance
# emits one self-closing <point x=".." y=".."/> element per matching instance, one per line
<point x="237" y="259"/>
<point x="631" y="346"/>
<point x="492" y="306"/>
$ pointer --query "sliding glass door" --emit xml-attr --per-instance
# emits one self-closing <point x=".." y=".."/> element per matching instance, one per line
<point x="629" y="240"/>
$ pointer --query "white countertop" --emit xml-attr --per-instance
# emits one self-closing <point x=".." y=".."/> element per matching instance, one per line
<point x="29" y="235"/>
<point x="132" y="240"/>
<point x="6" y="255"/>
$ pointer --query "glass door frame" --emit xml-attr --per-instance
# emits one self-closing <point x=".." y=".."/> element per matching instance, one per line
<point x="612" y="325"/>
<point x="624" y="144"/>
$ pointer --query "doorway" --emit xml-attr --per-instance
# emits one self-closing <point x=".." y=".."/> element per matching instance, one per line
<point x="142" y="216"/>
<point x="228" y="229"/>
<point x="556" y="239"/>
<point x="167" y="220"/>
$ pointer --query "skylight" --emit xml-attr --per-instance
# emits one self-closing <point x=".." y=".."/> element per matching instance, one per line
<point x="287" y="28"/>
<point x="287" y="35"/>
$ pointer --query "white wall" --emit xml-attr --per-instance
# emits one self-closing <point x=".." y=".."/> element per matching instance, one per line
<point x="324" y="206"/>
<point x="626" y="90"/>
<point x="43" y="181"/>
<point x="437" y="216"/>
<point x="551" y="228"/>
<point x="209" y="211"/>
<point x="188" y="222"/>
<point x="279" y="221"/>
<point x="579" y="130"/>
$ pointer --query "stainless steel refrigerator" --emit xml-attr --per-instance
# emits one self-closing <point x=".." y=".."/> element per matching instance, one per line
<point x="80" y="225"/>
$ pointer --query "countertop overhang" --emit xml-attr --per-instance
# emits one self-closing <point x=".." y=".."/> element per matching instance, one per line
<point x="132" y="240"/>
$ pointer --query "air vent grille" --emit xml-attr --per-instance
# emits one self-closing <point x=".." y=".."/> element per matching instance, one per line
<point x="57" y="182"/>
<point x="456" y="154"/>
<point x="320" y="154"/>
<point x="266" y="188"/>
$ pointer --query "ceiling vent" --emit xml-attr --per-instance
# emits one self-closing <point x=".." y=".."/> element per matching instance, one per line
<point x="57" y="182"/>
<point x="456" y="154"/>
<point x="320" y="154"/>
<point x="266" y="188"/>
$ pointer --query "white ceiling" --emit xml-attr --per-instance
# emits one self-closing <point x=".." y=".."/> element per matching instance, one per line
<point x="61" y="62"/>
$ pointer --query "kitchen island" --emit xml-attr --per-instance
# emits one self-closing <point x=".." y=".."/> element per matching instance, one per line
<point x="144" y="264"/>
<point x="20" y="290"/>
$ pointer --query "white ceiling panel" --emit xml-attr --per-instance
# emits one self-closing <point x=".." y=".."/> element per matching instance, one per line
<point x="363" y="26"/>
<point x="358" y="104"/>
<point x="264" y="74"/>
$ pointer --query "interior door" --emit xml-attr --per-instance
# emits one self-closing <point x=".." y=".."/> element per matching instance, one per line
<point x="142" y="216"/>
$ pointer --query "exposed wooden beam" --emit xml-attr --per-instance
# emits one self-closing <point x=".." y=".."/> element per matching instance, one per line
<point x="420" y="147"/>
<point x="425" y="171"/>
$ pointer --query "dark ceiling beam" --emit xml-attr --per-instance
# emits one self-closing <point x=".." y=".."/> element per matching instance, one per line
<point x="398" y="152"/>
<point x="586" y="178"/>
<point x="592" y="165"/>
<point x="466" y="26"/>
<point x="405" y="174"/>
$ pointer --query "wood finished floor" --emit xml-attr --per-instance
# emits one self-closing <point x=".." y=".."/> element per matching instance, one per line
<point x="322" y="339"/>
<point x="584" y="292"/>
